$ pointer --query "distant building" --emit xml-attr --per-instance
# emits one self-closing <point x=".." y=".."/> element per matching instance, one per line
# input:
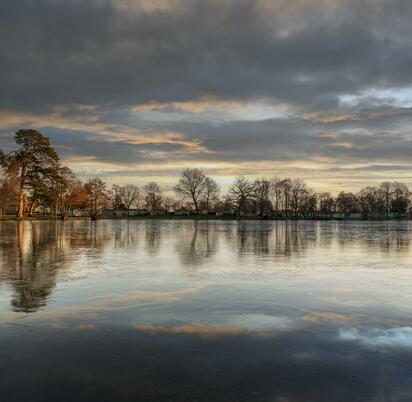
<point x="42" y="210"/>
<point x="119" y="212"/>
<point x="114" y="212"/>
<point x="138" y="212"/>
<point x="354" y="215"/>
<point x="182" y="212"/>
<point x="225" y="212"/>
<point x="397" y="215"/>
<point x="79" y="213"/>
<point x="158" y="212"/>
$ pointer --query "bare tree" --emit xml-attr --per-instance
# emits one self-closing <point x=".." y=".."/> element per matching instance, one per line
<point x="212" y="190"/>
<point x="169" y="203"/>
<point x="298" y="192"/>
<point x="372" y="200"/>
<point x="347" y="202"/>
<point x="310" y="201"/>
<point x="116" y="197"/>
<point x="130" y="195"/>
<point x="240" y="193"/>
<point x="276" y="193"/>
<point x="192" y="185"/>
<point x="96" y="197"/>
<point x="401" y="196"/>
<point x="153" y="196"/>
<point x="326" y="203"/>
<point x="286" y="186"/>
<point x="261" y="191"/>
<point x="387" y="190"/>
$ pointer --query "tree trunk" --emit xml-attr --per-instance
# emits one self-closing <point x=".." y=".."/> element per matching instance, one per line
<point x="20" y="209"/>
<point x="32" y="206"/>
<point x="20" y="206"/>
<point x="196" y="206"/>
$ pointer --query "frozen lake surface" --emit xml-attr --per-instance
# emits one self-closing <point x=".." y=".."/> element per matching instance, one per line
<point x="146" y="310"/>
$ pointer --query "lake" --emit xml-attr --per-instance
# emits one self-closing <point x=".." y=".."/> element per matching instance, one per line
<point x="168" y="310"/>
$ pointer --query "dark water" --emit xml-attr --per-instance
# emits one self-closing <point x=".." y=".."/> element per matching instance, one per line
<point x="205" y="311"/>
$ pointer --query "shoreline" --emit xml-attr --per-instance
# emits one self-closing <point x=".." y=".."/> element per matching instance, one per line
<point x="197" y="218"/>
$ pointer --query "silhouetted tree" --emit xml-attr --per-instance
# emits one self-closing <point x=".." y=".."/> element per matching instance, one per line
<point x="241" y="192"/>
<point x="261" y="192"/>
<point x="372" y="201"/>
<point x="192" y="185"/>
<point x="387" y="191"/>
<point x="130" y="195"/>
<point x="310" y="203"/>
<point x="212" y="191"/>
<point x="347" y="202"/>
<point x="326" y="203"/>
<point x="286" y="186"/>
<point x="401" y="196"/>
<point x="276" y="193"/>
<point x="153" y="196"/>
<point x="298" y="192"/>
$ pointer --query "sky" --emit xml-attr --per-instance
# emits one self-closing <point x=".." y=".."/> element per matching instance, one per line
<point x="137" y="90"/>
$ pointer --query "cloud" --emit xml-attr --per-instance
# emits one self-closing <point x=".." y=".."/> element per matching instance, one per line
<point x="239" y="87"/>
<point x="104" y="51"/>
<point x="198" y="329"/>
<point x="328" y="316"/>
<point x="400" y="337"/>
<point x="86" y="314"/>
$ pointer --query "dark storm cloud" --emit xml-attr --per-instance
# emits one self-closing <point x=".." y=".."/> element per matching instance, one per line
<point x="328" y="81"/>
<point x="100" y="51"/>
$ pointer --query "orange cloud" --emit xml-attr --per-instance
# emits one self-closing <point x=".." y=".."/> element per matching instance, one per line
<point x="197" y="328"/>
<point x="102" y="131"/>
<point x="173" y="138"/>
<point x="196" y="106"/>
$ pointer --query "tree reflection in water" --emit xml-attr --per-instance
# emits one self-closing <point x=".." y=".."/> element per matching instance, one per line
<point x="36" y="255"/>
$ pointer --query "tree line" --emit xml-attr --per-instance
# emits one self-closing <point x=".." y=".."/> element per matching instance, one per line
<point x="33" y="177"/>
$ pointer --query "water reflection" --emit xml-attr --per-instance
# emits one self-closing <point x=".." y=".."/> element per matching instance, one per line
<point x="34" y="253"/>
<point x="385" y="237"/>
<point x="152" y="236"/>
<point x="31" y="263"/>
<point x="196" y="242"/>
<point x="205" y="310"/>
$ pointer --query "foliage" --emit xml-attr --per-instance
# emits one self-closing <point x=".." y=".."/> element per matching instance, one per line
<point x="37" y="163"/>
